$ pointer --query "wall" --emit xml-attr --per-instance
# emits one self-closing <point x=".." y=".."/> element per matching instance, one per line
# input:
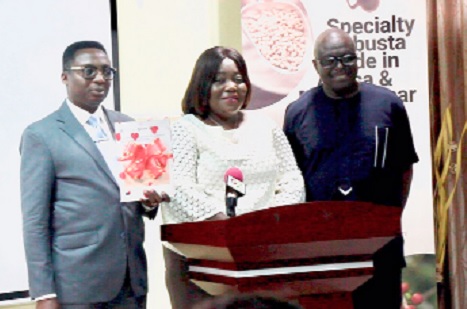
<point x="159" y="44"/>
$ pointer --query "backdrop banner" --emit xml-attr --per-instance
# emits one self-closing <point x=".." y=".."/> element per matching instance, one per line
<point x="391" y="41"/>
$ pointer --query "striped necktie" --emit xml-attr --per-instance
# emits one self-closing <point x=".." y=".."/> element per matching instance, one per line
<point x="97" y="133"/>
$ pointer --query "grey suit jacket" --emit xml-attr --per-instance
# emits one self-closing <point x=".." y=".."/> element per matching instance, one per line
<point x="79" y="238"/>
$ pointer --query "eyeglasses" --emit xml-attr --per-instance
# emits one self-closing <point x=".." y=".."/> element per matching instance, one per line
<point x="331" y="62"/>
<point x="90" y="72"/>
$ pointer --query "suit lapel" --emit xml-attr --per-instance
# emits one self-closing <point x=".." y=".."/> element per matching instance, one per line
<point x="70" y="125"/>
<point x="110" y="121"/>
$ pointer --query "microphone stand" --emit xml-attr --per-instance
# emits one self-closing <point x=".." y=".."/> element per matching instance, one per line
<point x="231" y="203"/>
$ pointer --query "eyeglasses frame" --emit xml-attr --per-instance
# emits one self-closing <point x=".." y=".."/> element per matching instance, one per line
<point x="337" y="59"/>
<point x="81" y="68"/>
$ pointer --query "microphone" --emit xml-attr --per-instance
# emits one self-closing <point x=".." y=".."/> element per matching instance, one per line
<point x="234" y="188"/>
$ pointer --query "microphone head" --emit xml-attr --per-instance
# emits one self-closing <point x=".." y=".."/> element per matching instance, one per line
<point x="233" y="179"/>
<point x="234" y="172"/>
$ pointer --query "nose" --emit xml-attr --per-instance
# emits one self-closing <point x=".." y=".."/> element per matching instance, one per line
<point x="339" y="63"/>
<point x="99" y="77"/>
<point x="231" y="85"/>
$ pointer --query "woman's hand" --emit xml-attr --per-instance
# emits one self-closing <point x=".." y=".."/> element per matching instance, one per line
<point x="218" y="216"/>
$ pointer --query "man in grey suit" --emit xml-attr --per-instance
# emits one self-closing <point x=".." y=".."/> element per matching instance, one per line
<point x="84" y="248"/>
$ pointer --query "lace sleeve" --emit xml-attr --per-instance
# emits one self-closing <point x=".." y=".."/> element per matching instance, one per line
<point x="289" y="185"/>
<point x="189" y="202"/>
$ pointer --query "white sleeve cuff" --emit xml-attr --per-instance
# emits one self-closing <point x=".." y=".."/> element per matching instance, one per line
<point x="46" y="296"/>
<point x="148" y="208"/>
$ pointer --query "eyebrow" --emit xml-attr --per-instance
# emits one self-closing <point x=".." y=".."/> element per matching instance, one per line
<point x="224" y="73"/>
<point x="95" y="66"/>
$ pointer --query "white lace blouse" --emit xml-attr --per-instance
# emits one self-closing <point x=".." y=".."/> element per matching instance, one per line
<point x="203" y="153"/>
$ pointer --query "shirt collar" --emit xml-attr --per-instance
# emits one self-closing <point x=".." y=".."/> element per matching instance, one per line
<point x="81" y="115"/>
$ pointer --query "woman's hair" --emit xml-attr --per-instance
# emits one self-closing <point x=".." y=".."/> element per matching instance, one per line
<point x="198" y="92"/>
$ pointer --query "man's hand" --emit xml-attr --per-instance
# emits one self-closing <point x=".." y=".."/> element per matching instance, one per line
<point x="49" y="303"/>
<point x="153" y="199"/>
<point x="406" y="182"/>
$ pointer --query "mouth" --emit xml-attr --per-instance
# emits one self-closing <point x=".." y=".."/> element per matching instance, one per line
<point x="341" y="76"/>
<point x="231" y="98"/>
<point x="98" y="91"/>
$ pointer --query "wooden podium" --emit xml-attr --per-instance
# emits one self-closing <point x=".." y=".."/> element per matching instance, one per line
<point x="316" y="252"/>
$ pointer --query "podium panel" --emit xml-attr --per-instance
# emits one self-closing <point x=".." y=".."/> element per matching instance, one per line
<point x="315" y="252"/>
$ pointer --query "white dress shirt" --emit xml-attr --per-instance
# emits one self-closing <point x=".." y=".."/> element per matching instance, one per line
<point x="109" y="147"/>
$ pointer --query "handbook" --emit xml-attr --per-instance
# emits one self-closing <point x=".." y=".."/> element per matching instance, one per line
<point x="145" y="158"/>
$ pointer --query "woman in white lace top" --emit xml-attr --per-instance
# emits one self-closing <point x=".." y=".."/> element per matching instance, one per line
<point x="215" y="134"/>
